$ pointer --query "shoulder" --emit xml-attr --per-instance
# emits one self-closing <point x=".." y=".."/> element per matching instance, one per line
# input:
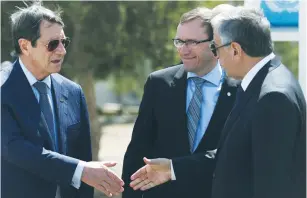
<point x="5" y="71"/>
<point x="67" y="83"/>
<point x="281" y="85"/>
<point x="280" y="79"/>
<point x="167" y="73"/>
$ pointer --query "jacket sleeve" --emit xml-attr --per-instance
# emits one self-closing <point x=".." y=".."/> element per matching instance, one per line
<point x="142" y="139"/>
<point x="16" y="149"/>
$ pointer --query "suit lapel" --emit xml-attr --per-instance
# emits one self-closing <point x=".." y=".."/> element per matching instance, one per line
<point x="225" y="100"/>
<point x="179" y="88"/>
<point x="252" y="91"/>
<point x="60" y="96"/>
<point x="26" y="104"/>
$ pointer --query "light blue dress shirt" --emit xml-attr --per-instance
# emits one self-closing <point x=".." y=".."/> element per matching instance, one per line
<point x="210" y="91"/>
<point x="76" y="180"/>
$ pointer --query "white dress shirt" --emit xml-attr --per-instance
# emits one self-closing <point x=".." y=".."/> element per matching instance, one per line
<point x="252" y="73"/>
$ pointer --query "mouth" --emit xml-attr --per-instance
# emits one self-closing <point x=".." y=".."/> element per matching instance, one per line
<point x="189" y="58"/>
<point x="56" y="61"/>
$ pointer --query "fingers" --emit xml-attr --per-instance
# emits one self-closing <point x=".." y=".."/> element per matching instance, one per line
<point x="109" y="164"/>
<point x="135" y="182"/>
<point x="115" y="187"/>
<point x="103" y="189"/>
<point x="139" y="173"/>
<point x="115" y="178"/>
<point x="141" y="184"/>
<point x="98" y="175"/>
<point x="148" y="186"/>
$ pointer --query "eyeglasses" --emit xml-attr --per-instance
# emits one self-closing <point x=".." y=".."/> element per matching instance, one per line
<point x="214" y="48"/>
<point x="179" y="43"/>
<point x="53" y="44"/>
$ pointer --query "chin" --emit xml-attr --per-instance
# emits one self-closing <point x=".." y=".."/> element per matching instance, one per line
<point x="56" y="69"/>
<point x="189" y="67"/>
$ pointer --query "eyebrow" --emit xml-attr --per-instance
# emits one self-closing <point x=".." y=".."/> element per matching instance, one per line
<point x="57" y="38"/>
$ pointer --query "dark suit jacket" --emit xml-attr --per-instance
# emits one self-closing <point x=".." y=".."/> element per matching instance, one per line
<point x="262" y="152"/>
<point x="160" y="131"/>
<point x="29" y="165"/>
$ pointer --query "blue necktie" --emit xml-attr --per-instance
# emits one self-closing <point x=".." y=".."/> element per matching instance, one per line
<point x="46" y="108"/>
<point x="194" y="111"/>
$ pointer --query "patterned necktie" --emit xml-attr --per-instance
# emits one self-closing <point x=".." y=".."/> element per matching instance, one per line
<point x="46" y="107"/>
<point x="194" y="111"/>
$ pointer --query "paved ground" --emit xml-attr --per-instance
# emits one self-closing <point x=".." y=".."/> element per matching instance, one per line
<point x="113" y="144"/>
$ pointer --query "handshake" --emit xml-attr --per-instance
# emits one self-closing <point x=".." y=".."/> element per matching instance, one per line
<point x="98" y="175"/>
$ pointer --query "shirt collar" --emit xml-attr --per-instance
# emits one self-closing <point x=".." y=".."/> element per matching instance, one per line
<point x="214" y="76"/>
<point x="32" y="78"/>
<point x="252" y="73"/>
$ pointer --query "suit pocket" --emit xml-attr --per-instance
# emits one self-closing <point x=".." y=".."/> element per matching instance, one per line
<point x="73" y="131"/>
<point x="74" y="126"/>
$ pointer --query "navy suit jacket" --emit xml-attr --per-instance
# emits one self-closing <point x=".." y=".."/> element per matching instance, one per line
<point x="29" y="165"/>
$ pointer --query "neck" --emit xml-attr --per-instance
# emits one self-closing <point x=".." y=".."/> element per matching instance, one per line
<point x="209" y="67"/>
<point x="39" y="75"/>
<point x="248" y="64"/>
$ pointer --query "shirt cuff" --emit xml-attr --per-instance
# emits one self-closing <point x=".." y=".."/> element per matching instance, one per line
<point x="173" y="176"/>
<point x="76" y="180"/>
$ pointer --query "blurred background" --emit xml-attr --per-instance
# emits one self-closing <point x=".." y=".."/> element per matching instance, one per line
<point x="115" y="45"/>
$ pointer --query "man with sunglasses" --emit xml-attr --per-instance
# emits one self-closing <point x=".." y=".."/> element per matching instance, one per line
<point x="183" y="110"/>
<point x="45" y="132"/>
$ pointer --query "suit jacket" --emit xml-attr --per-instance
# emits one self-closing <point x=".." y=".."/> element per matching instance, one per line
<point x="29" y="165"/>
<point x="263" y="144"/>
<point x="161" y="131"/>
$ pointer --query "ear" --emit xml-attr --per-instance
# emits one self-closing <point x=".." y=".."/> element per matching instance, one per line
<point x="25" y="46"/>
<point x="237" y="50"/>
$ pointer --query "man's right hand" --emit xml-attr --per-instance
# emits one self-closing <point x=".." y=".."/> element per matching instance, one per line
<point x="99" y="176"/>
<point x="154" y="173"/>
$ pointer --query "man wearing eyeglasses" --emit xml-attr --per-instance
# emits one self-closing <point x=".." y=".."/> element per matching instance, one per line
<point x="45" y="132"/>
<point x="182" y="112"/>
<point x="262" y="150"/>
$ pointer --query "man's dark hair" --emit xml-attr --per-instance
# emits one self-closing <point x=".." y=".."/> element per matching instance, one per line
<point x="25" y="23"/>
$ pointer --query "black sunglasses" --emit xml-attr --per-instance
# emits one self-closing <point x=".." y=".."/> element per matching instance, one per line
<point x="53" y="44"/>
<point x="214" y="48"/>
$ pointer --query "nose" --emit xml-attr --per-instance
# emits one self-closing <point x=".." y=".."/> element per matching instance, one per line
<point x="184" y="49"/>
<point x="60" y="49"/>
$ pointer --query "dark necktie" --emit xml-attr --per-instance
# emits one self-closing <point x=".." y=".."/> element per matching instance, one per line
<point x="46" y="108"/>
<point x="239" y="95"/>
<point x="194" y="111"/>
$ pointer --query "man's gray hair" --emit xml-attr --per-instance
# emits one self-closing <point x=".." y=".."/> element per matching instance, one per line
<point x="246" y="26"/>
<point x="221" y="8"/>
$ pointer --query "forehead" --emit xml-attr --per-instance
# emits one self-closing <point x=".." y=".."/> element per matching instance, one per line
<point x="51" y="30"/>
<point x="191" y="30"/>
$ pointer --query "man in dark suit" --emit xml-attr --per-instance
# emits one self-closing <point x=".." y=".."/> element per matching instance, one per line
<point x="263" y="144"/>
<point x="262" y="151"/>
<point x="183" y="111"/>
<point x="45" y="132"/>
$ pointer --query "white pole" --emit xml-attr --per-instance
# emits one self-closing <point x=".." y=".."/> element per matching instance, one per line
<point x="303" y="45"/>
